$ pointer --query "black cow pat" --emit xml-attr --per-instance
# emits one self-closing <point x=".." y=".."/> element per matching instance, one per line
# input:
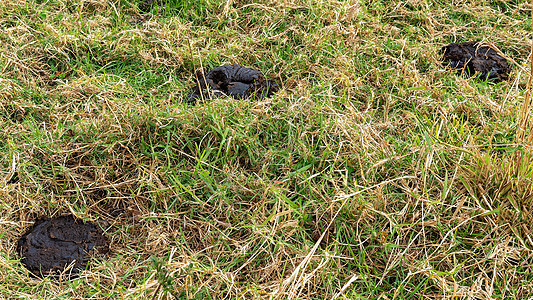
<point x="234" y="81"/>
<point x="52" y="245"/>
<point x="474" y="57"/>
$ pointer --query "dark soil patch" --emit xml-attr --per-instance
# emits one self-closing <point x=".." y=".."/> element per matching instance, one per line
<point x="50" y="246"/>
<point x="315" y="227"/>
<point x="234" y="81"/>
<point x="146" y="5"/>
<point x="14" y="178"/>
<point x="474" y="57"/>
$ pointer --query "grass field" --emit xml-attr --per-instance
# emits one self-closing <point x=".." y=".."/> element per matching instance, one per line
<point x="374" y="173"/>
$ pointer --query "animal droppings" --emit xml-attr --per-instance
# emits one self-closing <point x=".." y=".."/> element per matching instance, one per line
<point x="51" y="246"/>
<point x="476" y="58"/>
<point x="234" y="81"/>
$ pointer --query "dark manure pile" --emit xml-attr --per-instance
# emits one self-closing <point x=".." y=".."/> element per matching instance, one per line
<point x="51" y="246"/>
<point x="234" y="81"/>
<point x="476" y="58"/>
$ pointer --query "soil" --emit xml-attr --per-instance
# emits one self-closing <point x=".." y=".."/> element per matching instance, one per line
<point x="50" y="246"/>
<point x="474" y="57"/>
<point x="315" y="227"/>
<point x="234" y="81"/>
<point x="147" y="4"/>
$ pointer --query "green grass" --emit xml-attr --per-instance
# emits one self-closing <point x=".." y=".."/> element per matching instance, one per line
<point x="374" y="173"/>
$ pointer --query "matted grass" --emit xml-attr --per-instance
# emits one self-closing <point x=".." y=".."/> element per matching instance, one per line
<point x="374" y="173"/>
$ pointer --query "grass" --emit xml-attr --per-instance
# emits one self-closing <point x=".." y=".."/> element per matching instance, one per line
<point x="374" y="173"/>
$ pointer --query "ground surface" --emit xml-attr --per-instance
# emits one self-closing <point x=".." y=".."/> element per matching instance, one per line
<point x="373" y="173"/>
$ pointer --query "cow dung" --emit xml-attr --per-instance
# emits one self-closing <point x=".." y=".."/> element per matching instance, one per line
<point x="234" y="81"/>
<point x="474" y="57"/>
<point x="51" y="246"/>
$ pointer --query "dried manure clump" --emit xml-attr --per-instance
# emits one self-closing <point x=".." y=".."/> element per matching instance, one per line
<point x="51" y="246"/>
<point x="234" y="81"/>
<point x="474" y="57"/>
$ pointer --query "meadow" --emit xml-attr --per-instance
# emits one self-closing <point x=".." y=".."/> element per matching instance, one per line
<point x="373" y="173"/>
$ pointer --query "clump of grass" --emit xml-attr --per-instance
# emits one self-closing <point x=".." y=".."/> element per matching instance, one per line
<point x="374" y="172"/>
